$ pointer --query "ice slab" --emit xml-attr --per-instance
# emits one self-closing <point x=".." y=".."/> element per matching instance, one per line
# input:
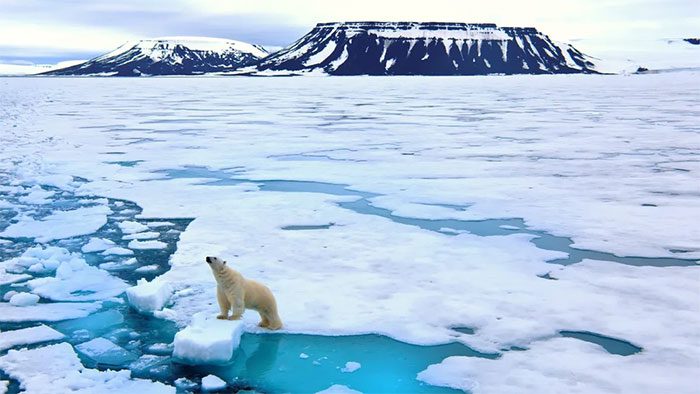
<point x="91" y="326"/>
<point x="57" y="369"/>
<point x="47" y="312"/>
<point x="144" y="235"/>
<point x="208" y="340"/>
<point x="24" y="299"/>
<point x="4" y="384"/>
<point x="104" y="351"/>
<point x="129" y="227"/>
<point x="339" y="389"/>
<point x="149" y="296"/>
<point x="60" y="224"/>
<point x="119" y="251"/>
<point x="136" y="244"/>
<point x="75" y="280"/>
<point x="27" y="336"/>
<point x="212" y="383"/>
<point x="7" y="278"/>
<point x="147" y="268"/>
<point x="97" y="245"/>
<point x="351" y="366"/>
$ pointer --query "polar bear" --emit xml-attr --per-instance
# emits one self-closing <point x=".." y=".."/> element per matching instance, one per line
<point x="235" y="292"/>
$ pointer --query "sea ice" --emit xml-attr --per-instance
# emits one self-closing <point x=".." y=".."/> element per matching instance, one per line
<point x="147" y="268"/>
<point x="7" y="278"/>
<point x="351" y="366"/>
<point x="28" y="336"/>
<point x="339" y="389"/>
<point x="57" y="369"/>
<point x="129" y="227"/>
<point x="119" y="251"/>
<point x="212" y="383"/>
<point x="144" y="235"/>
<point x="148" y="296"/>
<point x="208" y="340"/>
<point x="104" y="351"/>
<point x="47" y="312"/>
<point x="136" y="244"/>
<point x="97" y="245"/>
<point x="24" y="299"/>
<point x="60" y="224"/>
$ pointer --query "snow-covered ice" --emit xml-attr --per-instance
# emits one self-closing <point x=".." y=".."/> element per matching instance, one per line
<point x="608" y="161"/>
<point x="57" y="369"/>
<point x="351" y="366"/>
<point x="338" y="389"/>
<point x="56" y="311"/>
<point x="104" y="351"/>
<point x="28" y="336"/>
<point x="60" y="224"/>
<point x="212" y="383"/>
<point x="149" y="296"/>
<point x="208" y="340"/>
<point x="97" y="245"/>
<point x="24" y="299"/>
<point x="136" y="244"/>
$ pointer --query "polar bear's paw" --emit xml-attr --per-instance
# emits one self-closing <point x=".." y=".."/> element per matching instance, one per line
<point x="222" y="317"/>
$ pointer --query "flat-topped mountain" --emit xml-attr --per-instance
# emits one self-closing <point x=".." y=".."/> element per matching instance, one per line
<point x="170" y="56"/>
<point x="430" y="48"/>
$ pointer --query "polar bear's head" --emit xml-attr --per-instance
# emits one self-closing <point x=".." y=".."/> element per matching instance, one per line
<point x="216" y="264"/>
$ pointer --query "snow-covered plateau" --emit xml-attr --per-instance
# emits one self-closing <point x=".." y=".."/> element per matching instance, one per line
<point x="516" y="234"/>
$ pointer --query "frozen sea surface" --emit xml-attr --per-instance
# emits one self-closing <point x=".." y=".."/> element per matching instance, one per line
<point x="459" y="233"/>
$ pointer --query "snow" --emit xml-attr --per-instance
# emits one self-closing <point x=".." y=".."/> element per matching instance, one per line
<point x="147" y="268"/>
<point x="576" y="156"/>
<point x="29" y="69"/>
<point x="47" y="312"/>
<point x="37" y="196"/>
<point x="321" y="55"/>
<point x="7" y="278"/>
<point x="136" y="244"/>
<point x="4" y="384"/>
<point x="24" y="299"/>
<point x="212" y="383"/>
<point x="97" y="245"/>
<point x="28" y="336"/>
<point x="119" y="251"/>
<point x="339" y="389"/>
<point x="65" y="373"/>
<point x="208" y="340"/>
<point x="351" y="366"/>
<point x="75" y="280"/>
<point x="60" y="224"/>
<point x="149" y="296"/>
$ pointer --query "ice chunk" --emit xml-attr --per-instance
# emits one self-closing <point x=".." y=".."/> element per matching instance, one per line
<point x="160" y="224"/>
<point x="27" y="336"/>
<point x="160" y="348"/>
<point x="8" y="295"/>
<point x="119" y="251"/>
<point x="75" y="280"/>
<point x="104" y="351"/>
<point x="149" y="296"/>
<point x="303" y="355"/>
<point x="60" y="224"/>
<point x="4" y="384"/>
<point x="24" y="299"/>
<point x="37" y="196"/>
<point x="147" y="362"/>
<point x="208" y="340"/>
<point x="144" y="235"/>
<point x="7" y="278"/>
<point x="97" y="245"/>
<point x="119" y="265"/>
<point x="57" y="369"/>
<point x="47" y="312"/>
<point x="147" y="268"/>
<point x="212" y="383"/>
<point x="339" y="389"/>
<point x="136" y="244"/>
<point x="129" y="227"/>
<point x="95" y="324"/>
<point x="351" y="366"/>
<point x="40" y="259"/>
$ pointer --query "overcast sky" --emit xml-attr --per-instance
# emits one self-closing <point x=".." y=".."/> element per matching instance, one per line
<point x="52" y="30"/>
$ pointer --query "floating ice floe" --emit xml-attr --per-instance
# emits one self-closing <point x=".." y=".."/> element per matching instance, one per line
<point x="351" y="366"/>
<point x="147" y="268"/>
<point x="37" y="195"/>
<point x="97" y="245"/>
<point x="144" y="235"/>
<point x="136" y="244"/>
<point x="28" y="336"/>
<point x="149" y="296"/>
<point x="212" y="383"/>
<point x="119" y="265"/>
<point x="7" y="278"/>
<point x="60" y="224"/>
<point x="24" y="299"/>
<point x="47" y="312"/>
<point x="129" y="227"/>
<point x="339" y="389"/>
<point x="39" y="259"/>
<point x="104" y="351"/>
<point x="208" y="340"/>
<point x="57" y="369"/>
<point x="76" y="280"/>
<point x="119" y="251"/>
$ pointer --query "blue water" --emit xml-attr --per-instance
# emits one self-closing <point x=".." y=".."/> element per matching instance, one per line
<point x="265" y="362"/>
<point x="611" y="345"/>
